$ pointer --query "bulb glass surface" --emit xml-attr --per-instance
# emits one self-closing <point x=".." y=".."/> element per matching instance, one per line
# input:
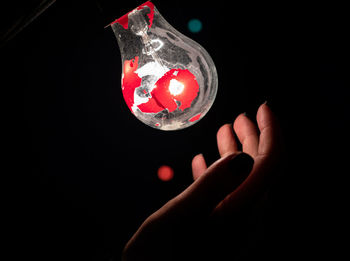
<point x="169" y="82"/>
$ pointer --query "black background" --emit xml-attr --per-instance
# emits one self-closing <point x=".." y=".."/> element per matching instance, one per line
<point x="80" y="169"/>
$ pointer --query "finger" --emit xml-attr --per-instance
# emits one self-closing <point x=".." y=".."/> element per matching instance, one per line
<point x="269" y="139"/>
<point x="226" y="140"/>
<point x="200" y="198"/>
<point x="247" y="134"/>
<point x="198" y="166"/>
<point x="262" y="173"/>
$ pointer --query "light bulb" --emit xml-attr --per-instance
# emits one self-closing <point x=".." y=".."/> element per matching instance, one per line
<point x="169" y="82"/>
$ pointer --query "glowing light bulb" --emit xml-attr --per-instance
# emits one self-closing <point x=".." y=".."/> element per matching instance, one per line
<point x="169" y="82"/>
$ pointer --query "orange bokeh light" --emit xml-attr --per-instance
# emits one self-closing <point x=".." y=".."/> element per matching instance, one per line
<point x="165" y="173"/>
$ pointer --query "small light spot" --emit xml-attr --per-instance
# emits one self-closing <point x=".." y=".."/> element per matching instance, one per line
<point x="194" y="25"/>
<point x="165" y="173"/>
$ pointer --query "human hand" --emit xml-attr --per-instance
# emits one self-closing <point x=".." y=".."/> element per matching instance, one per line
<point x="185" y="226"/>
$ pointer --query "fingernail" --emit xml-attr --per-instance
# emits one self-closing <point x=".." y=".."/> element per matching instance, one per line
<point x="241" y="165"/>
<point x="265" y="103"/>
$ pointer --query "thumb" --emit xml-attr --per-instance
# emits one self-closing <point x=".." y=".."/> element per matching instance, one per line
<point x="202" y="196"/>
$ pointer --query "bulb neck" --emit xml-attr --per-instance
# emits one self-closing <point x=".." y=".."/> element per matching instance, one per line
<point x="138" y="16"/>
<point x="137" y="26"/>
<point x="133" y="28"/>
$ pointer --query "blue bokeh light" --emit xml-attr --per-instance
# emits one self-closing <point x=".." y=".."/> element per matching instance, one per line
<point x="194" y="25"/>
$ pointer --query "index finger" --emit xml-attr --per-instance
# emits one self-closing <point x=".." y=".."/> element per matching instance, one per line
<point x="202" y="196"/>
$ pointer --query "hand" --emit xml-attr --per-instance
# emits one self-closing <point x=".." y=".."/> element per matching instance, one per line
<point x="196" y="224"/>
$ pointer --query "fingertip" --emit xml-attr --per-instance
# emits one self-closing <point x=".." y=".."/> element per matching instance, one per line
<point x="264" y="107"/>
<point x="238" y="121"/>
<point x="265" y="116"/>
<point x="226" y="140"/>
<point x="223" y="129"/>
<point x="247" y="134"/>
<point x="270" y="131"/>
<point x="196" y="158"/>
<point x="199" y="166"/>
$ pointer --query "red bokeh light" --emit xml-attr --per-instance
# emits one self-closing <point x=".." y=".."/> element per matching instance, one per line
<point x="165" y="173"/>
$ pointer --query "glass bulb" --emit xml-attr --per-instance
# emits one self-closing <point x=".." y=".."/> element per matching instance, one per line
<point x="169" y="82"/>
